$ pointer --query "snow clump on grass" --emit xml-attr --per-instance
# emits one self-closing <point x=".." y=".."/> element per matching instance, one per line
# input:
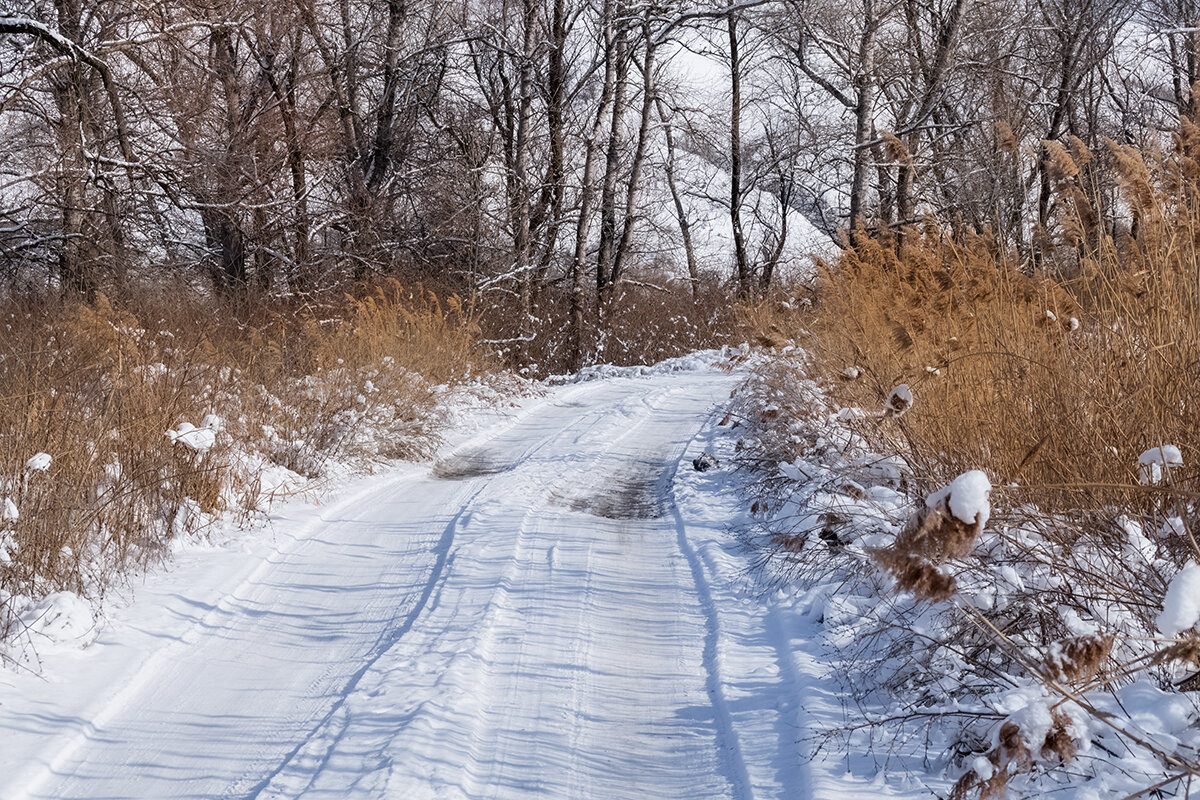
<point x="899" y="401"/>
<point x="967" y="498"/>
<point x="39" y="463"/>
<point x="199" y="439"/>
<point x="946" y="528"/>
<point x="1157" y="462"/>
<point x="1181" y="606"/>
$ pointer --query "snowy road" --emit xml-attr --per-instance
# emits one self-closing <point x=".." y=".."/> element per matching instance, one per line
<point x="551" y="610"/>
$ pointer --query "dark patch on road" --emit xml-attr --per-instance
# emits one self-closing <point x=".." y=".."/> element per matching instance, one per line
<point x="471" y="464"/>
<point x="638" y="490"/>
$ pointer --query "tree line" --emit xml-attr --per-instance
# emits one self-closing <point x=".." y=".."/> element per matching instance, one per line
<point x="525" y="147"/>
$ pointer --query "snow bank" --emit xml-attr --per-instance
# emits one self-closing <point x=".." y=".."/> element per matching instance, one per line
<point x="701" y="359"/>
<point x="59" y="622"/>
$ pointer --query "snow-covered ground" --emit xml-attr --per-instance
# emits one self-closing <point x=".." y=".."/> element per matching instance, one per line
<point x="556" y="607"/>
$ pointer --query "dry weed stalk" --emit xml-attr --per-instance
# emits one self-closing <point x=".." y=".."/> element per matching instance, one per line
<point x="931" y="537"/>
<point x="1078" y="659"/>
<point x="1012" y="756"/>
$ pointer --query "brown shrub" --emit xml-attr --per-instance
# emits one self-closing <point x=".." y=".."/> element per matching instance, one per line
<point x="649" y="321"/>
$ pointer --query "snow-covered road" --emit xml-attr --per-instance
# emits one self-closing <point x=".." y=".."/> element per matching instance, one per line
<point x="553" y="609"/>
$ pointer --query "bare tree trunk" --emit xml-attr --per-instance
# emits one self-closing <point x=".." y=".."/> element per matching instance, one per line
<point x="605" y="255"/>
<point x="588" y="188"/>
<point x="864" y="117"/>
<point x="76" y="258"/>
<point x="225" y="231"/>
<point x="341" y="72"/>
<point x="742" y="263"/>
<point x="521" y="248"/>
<point x="775" y="253"/>
<point x="301" y="276"/>
<point x="632" y="188"/>
<point x="553" y="190"/>
<point x="888" y="194"/>
<point x="685" y="226"/>
<point x="932" y="73"/>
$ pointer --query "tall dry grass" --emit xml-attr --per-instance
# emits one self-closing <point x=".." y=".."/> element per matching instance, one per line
<point x="1053" y="383"/>
<point x="1052" y="371"/>
<point x="97" y="386"/>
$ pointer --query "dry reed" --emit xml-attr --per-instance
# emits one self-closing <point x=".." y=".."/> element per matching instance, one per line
<point x="97" y="386"/>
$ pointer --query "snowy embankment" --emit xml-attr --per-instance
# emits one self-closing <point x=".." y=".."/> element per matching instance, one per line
<point x="558" y="606"/>
<point x="980" y="649"/>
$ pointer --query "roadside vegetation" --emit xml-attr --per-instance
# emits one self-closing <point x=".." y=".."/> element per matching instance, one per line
<point x="1047" y="642"/>
<point x="130" y="423"/>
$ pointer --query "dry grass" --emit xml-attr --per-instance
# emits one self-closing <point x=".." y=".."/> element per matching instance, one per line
<point x="97" y="386"/>
<point x="1052" y="374"/>
<point x="651" y="321"/>
<point x="1055" y="384"/>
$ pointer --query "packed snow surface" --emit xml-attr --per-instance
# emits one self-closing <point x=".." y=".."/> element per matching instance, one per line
<point x="967" y="497"/>
<point x="556" y="608"/>
<point x="1181" y="606"/>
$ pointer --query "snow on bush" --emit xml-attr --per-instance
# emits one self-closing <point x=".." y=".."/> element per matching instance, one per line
<point x="966" y="498"/>
<point x="1181" y="606"/>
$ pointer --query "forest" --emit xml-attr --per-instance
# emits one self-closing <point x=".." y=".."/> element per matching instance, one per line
<point x="553" y="160"/>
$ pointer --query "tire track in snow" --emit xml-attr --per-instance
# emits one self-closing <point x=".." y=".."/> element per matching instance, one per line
<point x="320" y="736"/>
<point x="514" y="659"/>
<point x="382" y="646"/>
<point x="730" y="748"/>
<point x="507" y="643"/>
<point x="483" y="731"/>
<point x="89" y="726"/>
